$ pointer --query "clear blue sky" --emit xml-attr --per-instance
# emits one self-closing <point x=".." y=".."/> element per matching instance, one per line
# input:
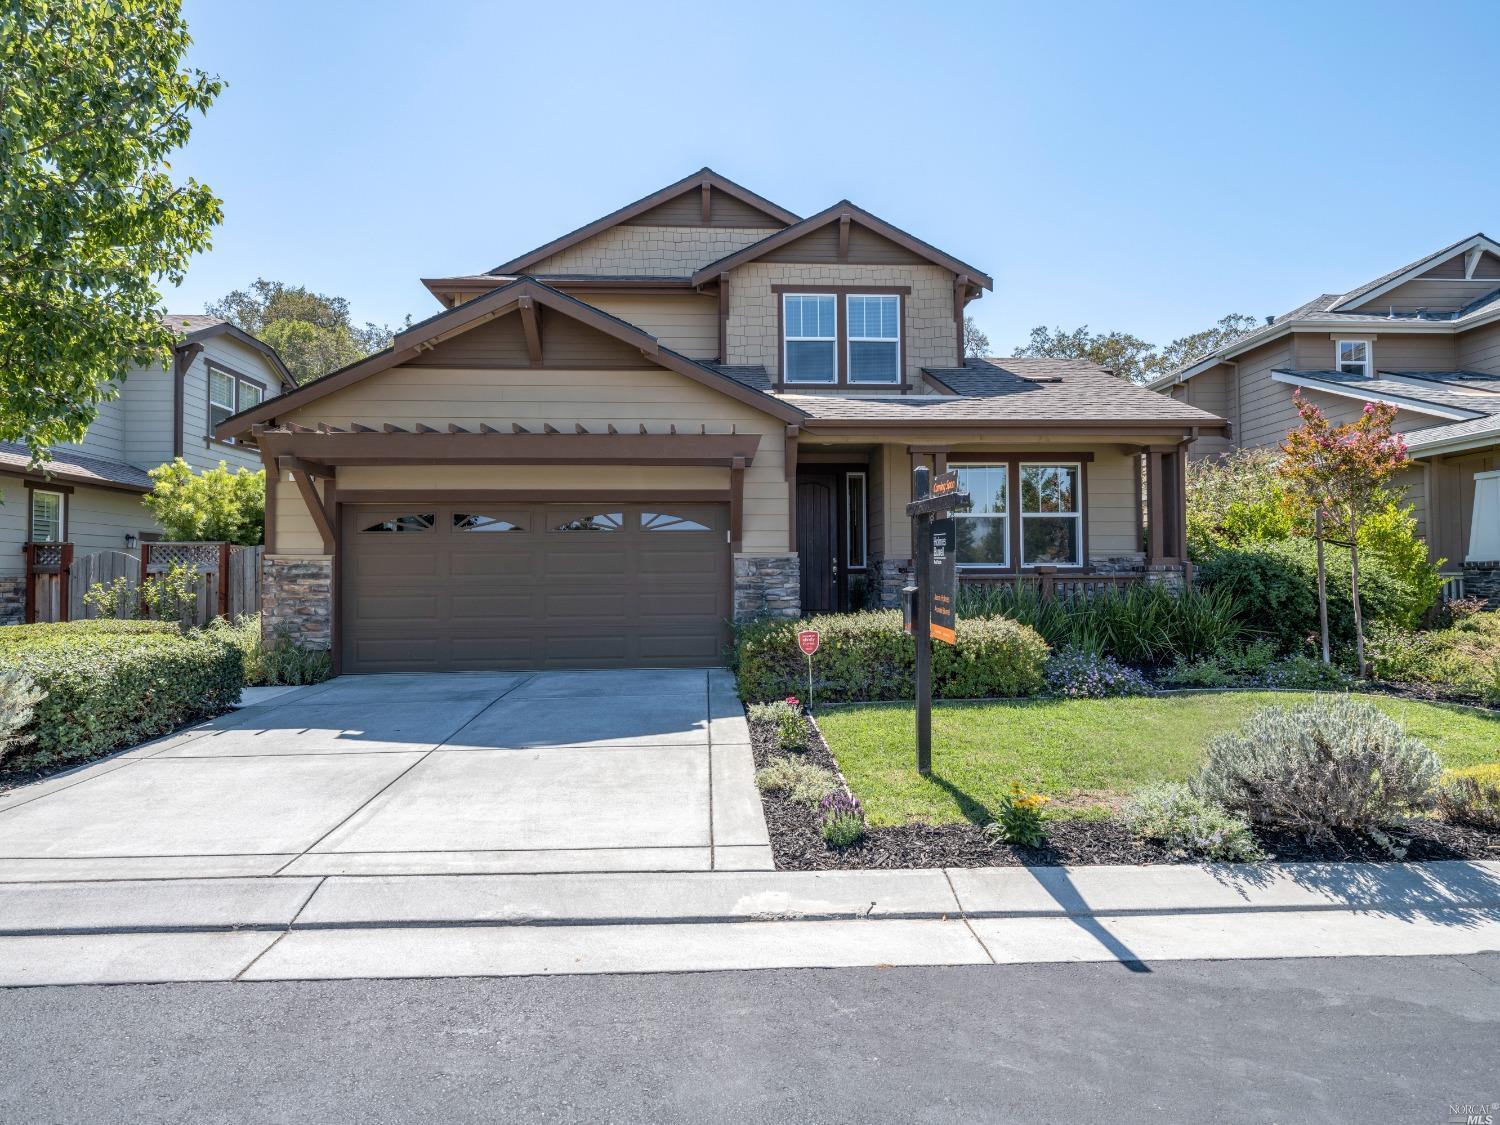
<point x="1146" y="167"/>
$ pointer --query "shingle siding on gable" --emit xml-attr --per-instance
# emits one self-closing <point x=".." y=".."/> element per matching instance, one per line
<point x="929" y="328"/>
<point x="650" y="251"/>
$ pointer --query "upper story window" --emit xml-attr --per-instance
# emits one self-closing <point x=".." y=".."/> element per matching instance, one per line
<point x="874" y="339"/>
<point x="810" y="354"/>
<point x="229" y="392"/>
<point x="47" y="520"/>
<point x="1354" y="357"/>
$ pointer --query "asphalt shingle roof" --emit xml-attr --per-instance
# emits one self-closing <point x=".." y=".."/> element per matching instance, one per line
<point x="75" y="467"/>
<point x="184" y="324"/>
<point x="1434" y="392"/>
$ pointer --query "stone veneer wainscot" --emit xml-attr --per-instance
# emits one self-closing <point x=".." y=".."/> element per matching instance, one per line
<point x="297" y="599"/>
<point x="767" y="586"/>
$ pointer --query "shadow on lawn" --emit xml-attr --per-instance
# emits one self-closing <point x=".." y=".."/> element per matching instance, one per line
<point x="974" y="811"/>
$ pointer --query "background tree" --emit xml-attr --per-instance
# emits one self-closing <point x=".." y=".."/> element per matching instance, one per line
<point x="313" y="332"/>
<point x="1130" y="357"/>
<point x="1125" y="355"/>
<point x="212" y="506"/>
<point x="93" y="98"/>
<point x="1344" y="473"/>
<point x="976" y="343"/>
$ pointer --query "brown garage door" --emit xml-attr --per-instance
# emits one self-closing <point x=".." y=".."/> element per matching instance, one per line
<point x="434" y="587"/>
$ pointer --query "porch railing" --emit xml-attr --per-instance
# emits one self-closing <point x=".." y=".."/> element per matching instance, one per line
<point x="1050" y="583"/>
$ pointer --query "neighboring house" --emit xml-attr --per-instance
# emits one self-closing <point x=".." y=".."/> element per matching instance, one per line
<point x="1425" y="338"/>
<point x="87" y="496"/>
<point x="698" y="408"/>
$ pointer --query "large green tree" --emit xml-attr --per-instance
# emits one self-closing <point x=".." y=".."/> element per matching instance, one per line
<point x="93" y="100"/>
<point x="314" y="332"/>
<point x="1130" y="357"/>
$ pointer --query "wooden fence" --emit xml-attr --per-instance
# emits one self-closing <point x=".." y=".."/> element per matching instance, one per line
<point x="57" y="578"/>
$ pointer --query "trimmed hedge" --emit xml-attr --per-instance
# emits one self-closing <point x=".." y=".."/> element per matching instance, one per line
<point x="866" y="656"/>
<point x="109" y="687"/>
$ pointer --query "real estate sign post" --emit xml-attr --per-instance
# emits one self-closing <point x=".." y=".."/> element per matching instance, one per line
<point x="934" y="612"/>
<point x="807" y="641"/>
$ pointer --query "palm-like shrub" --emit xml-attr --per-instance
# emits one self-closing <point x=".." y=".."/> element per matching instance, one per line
<point x="1336" y="763"/>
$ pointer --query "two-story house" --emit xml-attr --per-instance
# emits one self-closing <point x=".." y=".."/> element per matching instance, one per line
<point x="698" y="408"/>
<point x="1424" y="338"/>
<point x="87" y="496"/>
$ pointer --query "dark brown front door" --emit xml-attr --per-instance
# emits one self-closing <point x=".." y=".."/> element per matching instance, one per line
<point x="817" y="542"/>
<point x="452" y="587"/>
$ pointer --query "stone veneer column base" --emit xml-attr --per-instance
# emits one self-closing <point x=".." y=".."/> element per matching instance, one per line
<point x="1170" y="575"/>
<point x="12" y="599"/>
<point x="296" y="599"/>
<point x="1482" y="580"/>
<point x="767" y="586"/>
<point x="891" y="577"/>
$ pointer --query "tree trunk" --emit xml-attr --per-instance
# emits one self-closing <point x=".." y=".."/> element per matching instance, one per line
<point x="1359" y="621"/>
<point x="1322" y="588"/>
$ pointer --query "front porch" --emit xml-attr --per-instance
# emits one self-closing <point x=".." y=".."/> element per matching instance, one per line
<point x="1075" y="519"/>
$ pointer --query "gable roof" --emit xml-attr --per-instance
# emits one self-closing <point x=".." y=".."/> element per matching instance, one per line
<point x="413" y="341"/>
<point x="841" y="210"/>
<point x="1372" y="289"/>
<point x="194" y="328"/>
<point x="696" y="181"/>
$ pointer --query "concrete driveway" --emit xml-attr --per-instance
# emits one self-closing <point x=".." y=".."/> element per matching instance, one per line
<point x="417" y="774"/>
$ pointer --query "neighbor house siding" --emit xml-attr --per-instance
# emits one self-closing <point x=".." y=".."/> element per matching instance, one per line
<point x="148" y="417"/>
<point x="1433" y="294"/>
<point x="649" y="251"/>
<point x="1390" y="351"/>
<point x="199" y="448"/>
<point x="1265" y="405"/>
<point x="105" y="436"/>
<point x="597" y="398"/>
<point x="1479" y="349"/>
<point x="754" y="316"/>
<point x="688" y="324"/>
<point x="98" y="519"/>
<point x="1214" y="391"/>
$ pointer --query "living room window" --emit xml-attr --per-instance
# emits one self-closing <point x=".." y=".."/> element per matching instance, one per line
<point x="47" y="516"/>
<point x="1354" y="357"/>
<point x="810" y="347"/>
<point x="984" y="529"/>
<point x="874" y="338"/>
<point x="1051" y="515"/>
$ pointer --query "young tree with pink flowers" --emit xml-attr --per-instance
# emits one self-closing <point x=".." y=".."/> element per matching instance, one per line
<point x="1343" y="474"/>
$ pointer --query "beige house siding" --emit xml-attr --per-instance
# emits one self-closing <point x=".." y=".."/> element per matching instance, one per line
<point x="596" y="398"/>
<point x="98" y="519"/>
<point x="1214" y="391"/>
<point x="1390" y="351"/>
<point x="1478" y="349"/>
<point x="1432" y="294"/>
<point x="650" y="251"/>
<point x="754" y="321"/>
<point x="688" y="324"/>
<point x="1266" y="411"/>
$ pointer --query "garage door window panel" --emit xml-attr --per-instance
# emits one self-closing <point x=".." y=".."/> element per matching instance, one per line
<point x="473" y="521"/>
<point x="598" y="521"/>
<point x="669" y="521"/>
<point x="401" y="524"/>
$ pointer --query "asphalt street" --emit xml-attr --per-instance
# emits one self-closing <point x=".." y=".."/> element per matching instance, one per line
<point x="1363" y="1040"/>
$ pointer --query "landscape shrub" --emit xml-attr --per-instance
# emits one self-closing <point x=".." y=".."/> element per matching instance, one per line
<point x="1021" y="818"/>
<point x="797" y="780"/>
<point x="20" y="635"/>
<point x="1145" y="626"/>
<point x="1189" y="825"/>
<point x="1080" y="674"/>
<point x="843" y="819"/>
<point x="1306" y="673"/>
<point x="282" y="661"/>
<point x="1205" y="673"/>
<point x="1464" y="655"/>
<point x="111" y="687"/>
<point x="786" y="716"/>
<point x="1335" y="763"/>
<point x="1471" y="796"/>
<point x="1276" y="585"/>
<point x="19" y="696"/>
<point x="867" y="656"/>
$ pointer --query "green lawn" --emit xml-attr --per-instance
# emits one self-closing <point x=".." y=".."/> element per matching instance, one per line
<point x="1085" y="753"/>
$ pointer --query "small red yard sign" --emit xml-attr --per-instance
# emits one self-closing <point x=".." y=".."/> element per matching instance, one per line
<point x="807" y="641"/>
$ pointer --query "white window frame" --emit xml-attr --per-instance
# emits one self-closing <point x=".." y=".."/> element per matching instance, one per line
<point x="788" y="338"/>
<point x="1004" y="563"/>
<point x="852" y="339"/>
<point x="62" y="515"/>
<point x="1367" y="365"/>
<point x="239" y="384"/>
<point x="1076" y="514"/>
<point x="862" y="560"/>
<point x="234" y="394"/>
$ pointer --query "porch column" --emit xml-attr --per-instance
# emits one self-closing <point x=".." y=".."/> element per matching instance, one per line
<point x="789" y="461"/>
<point x="1156" y="543"/>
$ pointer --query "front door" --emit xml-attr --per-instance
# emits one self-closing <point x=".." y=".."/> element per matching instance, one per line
<point x="817" y="541"/>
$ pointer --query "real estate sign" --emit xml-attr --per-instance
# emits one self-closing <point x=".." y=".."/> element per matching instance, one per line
<point x="942" y="581"/>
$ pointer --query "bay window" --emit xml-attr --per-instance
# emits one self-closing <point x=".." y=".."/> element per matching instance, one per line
<point x="1051" y="515"/>
<point x="874" y="338"/>
<point x="810" y="350"/>
<point x="984" y="529"/>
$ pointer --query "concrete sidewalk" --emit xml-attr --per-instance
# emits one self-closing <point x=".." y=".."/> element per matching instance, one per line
<point x="339" y="926"/>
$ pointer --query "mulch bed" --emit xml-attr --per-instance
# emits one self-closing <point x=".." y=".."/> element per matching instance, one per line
<point x="797" y="842"/>
<point x="1427" y="693"/>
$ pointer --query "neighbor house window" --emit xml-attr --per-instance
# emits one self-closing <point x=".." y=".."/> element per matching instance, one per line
<point x="47" y="516"/>
<point x="1051" y="515"/>
<point x="855" y="516"/>
<point x="1354" y="357"/>
<point x="810" y="348"/>
<point x="229" y="393"/>
<point x="874" y="339"/>
<point x="984" y="529"/>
